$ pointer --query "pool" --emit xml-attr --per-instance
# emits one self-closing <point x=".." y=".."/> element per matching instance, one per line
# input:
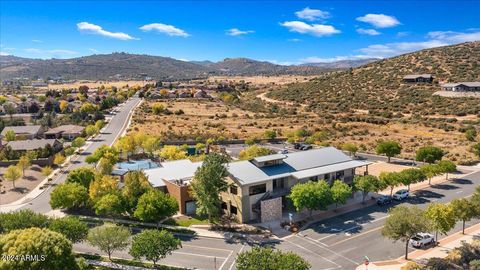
<point x="136" y="165"/>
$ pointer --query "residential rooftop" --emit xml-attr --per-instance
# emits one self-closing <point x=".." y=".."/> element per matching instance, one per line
<point x="29" y="145"/>
<point x="68" y="129"/>
<point x="32" y="130"/>
<point x="469" y="84"/>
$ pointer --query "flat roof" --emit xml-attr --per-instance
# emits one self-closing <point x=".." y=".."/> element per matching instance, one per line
<point x="469" y="84"/>
<point x="171" y="170"/>
<point x="329" y="169"/>
<point x="31" y="144"/>
<point x="269" y="158"/>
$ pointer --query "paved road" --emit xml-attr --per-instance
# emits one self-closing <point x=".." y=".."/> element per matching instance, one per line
<point x="114" y="129"/>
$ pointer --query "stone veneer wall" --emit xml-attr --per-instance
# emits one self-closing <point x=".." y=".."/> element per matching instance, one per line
<point x="271" y="209"/>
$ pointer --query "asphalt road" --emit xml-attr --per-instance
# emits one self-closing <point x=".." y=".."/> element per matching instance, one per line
<point x="113" y="130"/>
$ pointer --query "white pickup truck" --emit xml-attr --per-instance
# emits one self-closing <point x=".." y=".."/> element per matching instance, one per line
<point x="422" y="239"/>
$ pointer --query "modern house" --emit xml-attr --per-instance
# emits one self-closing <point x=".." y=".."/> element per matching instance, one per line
<point x="35" y="144"/>
<point x="68" y="132"/>
<point x="24" y="132"/>
<point x="461" y="86"/>
<point x="258" y="187"/>
<point x="416" y="78"/>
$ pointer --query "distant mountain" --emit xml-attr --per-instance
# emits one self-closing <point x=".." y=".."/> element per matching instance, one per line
<point x="204" y="63"/>
<point x="342" y="64"/>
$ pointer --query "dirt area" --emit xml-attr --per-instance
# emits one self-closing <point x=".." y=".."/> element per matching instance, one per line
<point x="378" y="167"/>
<point x="96" y="84"/>
<point x="457" y="94"/>
<point x="279" y="80"/>
<point x="33" y="177"/>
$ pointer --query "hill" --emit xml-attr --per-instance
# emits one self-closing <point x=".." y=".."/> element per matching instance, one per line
<point x="342" y="64"/>
<point x="377" y="90"/>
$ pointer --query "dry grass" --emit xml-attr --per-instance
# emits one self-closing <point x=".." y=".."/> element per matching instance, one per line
<point x="279" y="80"/>
<point x="96" y="84"/>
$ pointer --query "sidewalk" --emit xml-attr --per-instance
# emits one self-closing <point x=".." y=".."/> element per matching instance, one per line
<point x="445" y="245"/>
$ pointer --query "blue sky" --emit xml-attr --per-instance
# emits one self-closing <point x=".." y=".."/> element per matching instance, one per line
<point x="285" y="32"/>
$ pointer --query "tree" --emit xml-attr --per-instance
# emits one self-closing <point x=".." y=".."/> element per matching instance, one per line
<point x="254" y="151"/>
<point x="340" y="192"/>
<point x="23" y="164"/>
<point x="88" y="108"/>
<point x="59" y="159"/>
<point x="311" y="195"/>
<point x="366" y="184"/>
<point x="390" y="179"/>
<point x="389" y="148"/>
<point x="471" y="134"/>
<point x="46" y="171"/>
<point x="12" y="174"/>
<point x="151" y="144"/>
<point x="72" y="228"/>
<point x="270" y="259"/>
<point x="63" y="105"/>
<point x="82" y="175"/>
<point x="464" y="210"/>
<point x="9" y="109"/>
<point x="270" y="134"/>
<point x="109" y="204"/>
<point x="403" y="223"/>
<point x="441" y="217"/>
<point x="172" y="152"/>
<point x="412" y="176"/>
<point x="136" y="184"/>
<point x="91" y="130"/>
<point x="101" y="186"/>
<point x="476" y="149"/>
<point x="53" y="249"/>
<point x="105" y="166"/>
<point x="21" y="220"/>
<point x="446" y="167"/>
<point x="154" y="245"/>
<point x="429" y="154"/>
<point x="104" y="151"/>
<point x="155" y="206"/>
<point x="68" y="195"/>
<point x="127" y="144"/>
<point x="10" y="135"/>
<point x="351" y="148"/>
<point x="109" y="238"/>
<point x="430" y="171"/>
<point x="207" y="184"/>
<point x="78" y="142"/>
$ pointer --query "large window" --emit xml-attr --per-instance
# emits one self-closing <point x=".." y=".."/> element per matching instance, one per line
<point x="233" y="210"/>
<point x="278" y="183"/>
<point x="233" y="190"/>
<point x="257" y="189"/>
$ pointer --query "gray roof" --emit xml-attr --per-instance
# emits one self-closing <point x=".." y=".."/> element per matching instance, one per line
<point x="269" y="157"/>
<point x="414" y="76"/>
<point x="31" y="144"/>
<point x="32" y="130"/>
<point x="469" y="84"/>
<point x="172" y="170"/>
<point x="68" y="129"/>
<point x="328" y="169"/>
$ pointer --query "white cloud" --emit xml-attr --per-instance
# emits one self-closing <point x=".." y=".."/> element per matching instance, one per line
<point x="315" y="59"/>
<point x="98" y="30"/>
<point x="402" y="34"/>
<point x="57" y="53"/>
<point x="370" y="32"/>
<point x="318" y="30"/>
<point x="4" y="53"/>
<point x="93" y="50"/>
<point x="312" y="14"/>
<point x="379" y="20"/>
<point x="37" y="40"/>
<point x="455" y="37"/>
<point x="33" y="50"/>
<point x="294" y="40"/>
<point x="165" y="29"/>
<point x="238" y="32"/>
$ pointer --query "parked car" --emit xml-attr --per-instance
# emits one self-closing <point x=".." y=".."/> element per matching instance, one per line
<point x="284" y="151"/>
<point x="401" y="194"/>
<point x="297" y="145"/>
<point x="383" y="200"/>
<point x="422" y="239"/>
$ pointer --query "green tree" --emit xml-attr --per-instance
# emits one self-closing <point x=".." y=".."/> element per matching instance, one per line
<point x="46" y="171"/>
<point x="127" y="144"/>
<point x="12" y="174"/>
<point x="429" y="154"/>
<point x="270" y="134"/>
<point x="446" y="167"/>
<point x="412" y="176"/>
<point x="10" y="135"/>
<point x="136" y="184"/>
<point x="366" y="184"/>
<point x="340" y="192"/>
<point x="464" y="210"/>
<point x="471" y="134"/>
<point x="430" y="171"/>
<point x="72" y="228"/>
<point x="104" y="151"/>
<point x="91" y="130"/>
<point x="88" y="108"/>
<point x="154" y="245"/>
<point x="68" y="196"/>
<point x="21" y="220"/>
<point x="269" y="259"/>
<point x="82" y="175"/>
<point x="311" y="195"/>
<point x="390" y="180"/>
<point x="78" y="142"/>
<point x="155" y="206"/>
<point x="24" y="163"/>
<point x="172" y="152"/>
<point x="351" y="148"/>
<point x="403" y="223"/>
<point x="109" y="238"/>
<point x="254" y="151"/>
<point x="53" y="249"/>
<point x="441" y="217"/>
<point x="208" y="182"/>
<point x="389" y="148"/>
<point x="110" y="205"/>
<point x="476" y="149"/>
<point x="105" y="166"/>
<point x="58" y="159"/>
<point x="101" y="186"/>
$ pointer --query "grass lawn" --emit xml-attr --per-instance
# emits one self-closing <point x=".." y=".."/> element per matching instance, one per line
<point x="186" y="221"/>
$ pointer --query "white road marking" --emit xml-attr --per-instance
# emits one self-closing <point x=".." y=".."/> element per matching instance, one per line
<point x="202" y="247"/>
<point x="224" y="262"/>
<point x="312" y="241"/>
<point x="326" y="259"/>
<point x="351" y="228"/>
<point x="198" y="255"/>
<point x="235" y="260"/>
<point x="458" y="192"/>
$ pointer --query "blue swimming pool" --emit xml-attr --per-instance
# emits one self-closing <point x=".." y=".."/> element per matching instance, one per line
<point x="136" y="165"/>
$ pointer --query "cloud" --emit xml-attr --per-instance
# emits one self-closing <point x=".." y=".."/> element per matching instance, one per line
<point x="294" y="40"/>
<point x="315" y="59"/>
<point x="165" y="29"/>
<point x="4" y="53"/>
<point x="37" y="41"/>
<point x="318" y="30"/>
<point x="33" y="50"/>
<point x="238" y="32"/>
<point x="455" y="37"/>
<point x="379" y="20"/>
<point x="312" y="14"/>
<point x="56" y="53"/>
<point x="93" y="50"/>
<point x="402" y="34"/>
<point x="98" y="30"/>
<point x="370" y="32"/>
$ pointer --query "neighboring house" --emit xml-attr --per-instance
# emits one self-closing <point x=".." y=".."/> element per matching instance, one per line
<point x="258" y="187"/>
<point x="461" y="86"/>
<point x="39" y="84"/>
<point x="414" y="78"/>
<point x="201" y="94"/>
<point x="171" y="94"/>
<point x="35" y="144"/>
<point x="24" y="132"/>
<point x="68" y="132"/>
<point x="185" y="94"/>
